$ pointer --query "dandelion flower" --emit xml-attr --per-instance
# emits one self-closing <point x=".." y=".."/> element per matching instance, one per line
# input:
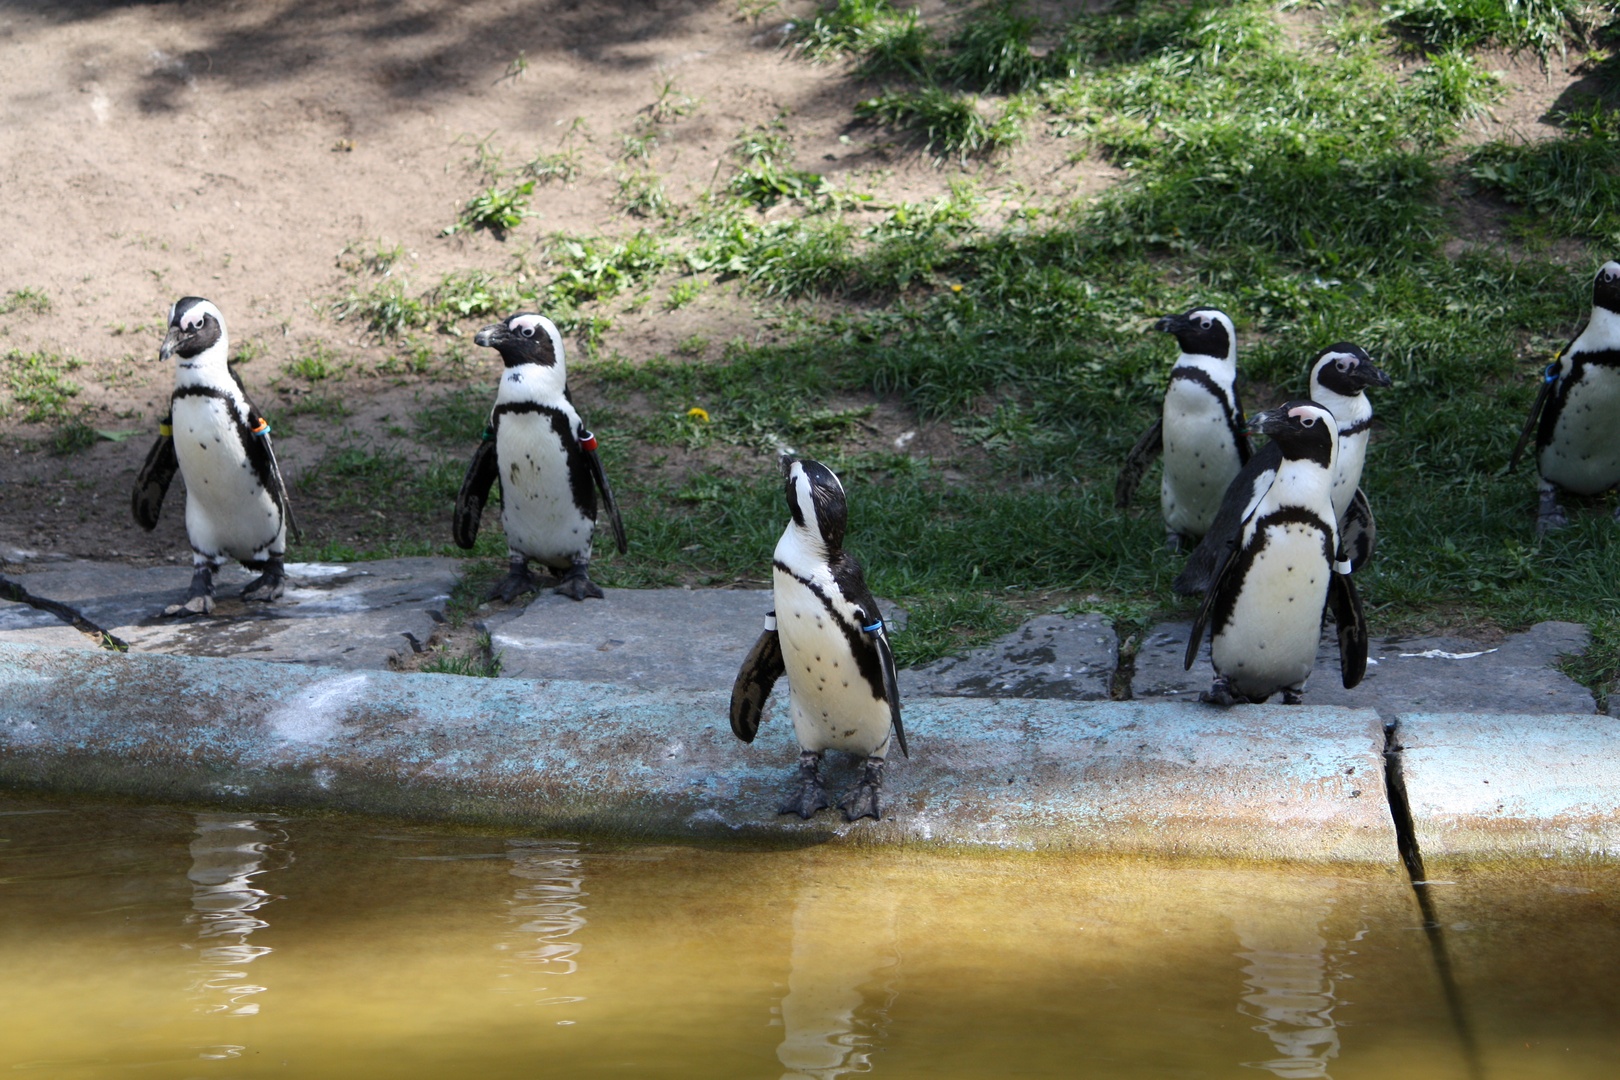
<point x="700" y="415"/>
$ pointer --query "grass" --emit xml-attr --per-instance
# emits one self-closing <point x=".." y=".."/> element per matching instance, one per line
<point x="28" y="299"/>
<point x="35" y="386"/>
<point x="496" y="209"/>
<point x="1297" y="180"/>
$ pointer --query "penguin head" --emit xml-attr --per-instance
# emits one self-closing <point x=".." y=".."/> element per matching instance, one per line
<point x="195" y="327"/>
<point x="1203" y="332"/>
<point x="1346" y="369"/>
<point x="1606" y="287"/>
<point x="815" y="498"/>
<point x="524" y="338"/>
<point x="1301" y="429"/>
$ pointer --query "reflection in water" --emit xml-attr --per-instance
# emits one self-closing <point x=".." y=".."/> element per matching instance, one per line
<point x="227" y="854"/>
<point x="843" y="940"/>
<point x="1289" y="979"/>
<point x="548" y="911"/>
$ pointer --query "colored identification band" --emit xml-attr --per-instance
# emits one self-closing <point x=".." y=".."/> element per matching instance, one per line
<point x="1341" y="567"/>
<point x="770" y="621"/>
<point x="489" y="433"/>
<point x="588" y="441"/>
<point x="1551" y="374"/>
<point x="166" y="430"/>
<point x="263" y="428"/>
<point x="874" y="628"/>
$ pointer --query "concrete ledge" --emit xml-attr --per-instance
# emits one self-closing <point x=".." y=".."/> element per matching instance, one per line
<point x="1258" y="783"/>
<point x="1505" y="786"/>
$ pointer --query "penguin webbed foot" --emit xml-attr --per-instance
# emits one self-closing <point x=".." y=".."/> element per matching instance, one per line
<point x="810" y="796"/>
<point x="199" y="598"/>
<point x="1549" y="515"/>
<point x="517" y="581"/>
<point x="1291" y="696"/>
<point x="269" y="585"/>
<point x="577" y="585"/>
<point x="1174" y="543"/>
<point x="1220" y="693"/>
<point x="863" y="800"/>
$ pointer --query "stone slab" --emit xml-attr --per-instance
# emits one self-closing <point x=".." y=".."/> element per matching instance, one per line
<point x="1051" y="656"/>
<point x="1403" y="675"/>
<point x="1502" y="785"/>
<point x="352" y="615"/>
<point x="677" y="639"/>
<point x="1260" y="783"/>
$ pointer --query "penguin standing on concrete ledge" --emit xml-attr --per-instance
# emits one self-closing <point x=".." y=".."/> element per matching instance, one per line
<point x="1339" y="377"/>
<point x="1276" y="574"/>
<point x="827" y="636"/>
<point x="537" y="448"/>
<point x="236" y="503"/>
<point x="1576" y="416"/>
<point x="1200" y="430"/>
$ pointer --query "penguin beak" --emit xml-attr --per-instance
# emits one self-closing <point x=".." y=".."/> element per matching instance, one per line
<point x="1376" y="376"/>
<point x="1171" y="324"/>
<point x="171" y="342"/>
<point x="491" y="336"/>
<point x="1269" y="422"/>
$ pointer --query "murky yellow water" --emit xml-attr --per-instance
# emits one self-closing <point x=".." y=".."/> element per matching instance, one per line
<point x="165" y="943"/>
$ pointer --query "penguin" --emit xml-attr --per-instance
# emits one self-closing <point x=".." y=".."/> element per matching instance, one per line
<point x="1200" y="429"/>
<point x="538" y="449"/>
<point x="1339" y="377"/>
<point x="1281" y="570"/>
<point x="826" y="634"/>
<point x="236" y="502"/>
<point x="1573" y="417"/>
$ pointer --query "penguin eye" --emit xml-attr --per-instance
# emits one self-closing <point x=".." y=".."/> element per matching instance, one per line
<point x="1344" y="365"/>
<point x="1204" y="323"/>
<point x="1308" y="421"/>
<point x="526" y="331"/>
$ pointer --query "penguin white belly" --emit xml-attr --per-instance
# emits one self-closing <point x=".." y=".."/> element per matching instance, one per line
<point x="1584" y="454"/>
<point x="537" y="499"/>
<point x="1269" y="642"/>
<point x="1352" y="455"/>
<point x="228" y="511"/>
<point x="1200" y="458"/>
<point x="832" y="704"/>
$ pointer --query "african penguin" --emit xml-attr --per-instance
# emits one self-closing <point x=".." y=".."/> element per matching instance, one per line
<point x="826" y="634"/>
<point x="537" y="448"/>
<point x="1200" y="428"/>
<point x="1578" y="434"/>
<point x="1277" y="574"/>
<point x="236" y="503"/>
<point x="1339" y="376"/>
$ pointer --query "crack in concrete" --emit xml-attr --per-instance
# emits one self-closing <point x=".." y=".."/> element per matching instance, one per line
<point x="106" y="639"/>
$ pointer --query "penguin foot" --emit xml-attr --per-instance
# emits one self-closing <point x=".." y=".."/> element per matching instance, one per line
<point x="268" y="585"/>
<point x="199" y="598"/>
<point x="863" y="801"/>
<point x="1549" y="515"/>
<point x="517" y="582"/>
<point x="1220" y="693"/>
<point x="577" y="586"/>
<point x="1173" y="543"/>
<point x="1293" y="697"/>
<point x="810" y="796"/>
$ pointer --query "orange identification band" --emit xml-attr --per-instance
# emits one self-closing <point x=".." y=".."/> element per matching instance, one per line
<point x="263" y="428"/>
<point x="588" y="442"/>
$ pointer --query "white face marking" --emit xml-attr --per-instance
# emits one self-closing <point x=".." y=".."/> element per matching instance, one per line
<point x="528" y="325"/>
<point x="1308" y="415"/>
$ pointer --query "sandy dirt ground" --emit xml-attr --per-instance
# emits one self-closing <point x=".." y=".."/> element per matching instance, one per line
<point x="251" y="152"/>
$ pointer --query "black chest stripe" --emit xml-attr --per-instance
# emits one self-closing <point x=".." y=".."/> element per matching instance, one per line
<point x="1202" y="378"/>
<point x="253" y="448"/>
<point x="581" y="488"/>
<point x="1356" y="428"/>
<point x="865" y="653"/>
<point x="1233" y="580"/>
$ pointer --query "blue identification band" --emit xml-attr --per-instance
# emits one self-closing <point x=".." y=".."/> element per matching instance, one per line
<point x="1551" y="374"/>
<point x="874" y="628"/>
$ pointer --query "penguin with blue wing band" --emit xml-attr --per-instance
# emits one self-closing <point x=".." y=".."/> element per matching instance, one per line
<point x="827" y="636"/>
<point x="1576" y="414"/>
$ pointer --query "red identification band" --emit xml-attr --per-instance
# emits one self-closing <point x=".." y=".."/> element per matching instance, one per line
<point x="589" y="441"/>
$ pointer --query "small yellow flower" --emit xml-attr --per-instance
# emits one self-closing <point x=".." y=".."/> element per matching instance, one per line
<point x="698" y="414"/>
<point x="956" y="288"/>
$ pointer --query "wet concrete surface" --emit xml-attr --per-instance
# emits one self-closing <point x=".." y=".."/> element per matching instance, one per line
<point x="611" y="715"/>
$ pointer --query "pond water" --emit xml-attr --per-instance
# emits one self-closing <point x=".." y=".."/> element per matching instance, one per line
<point x="159" y="942"/>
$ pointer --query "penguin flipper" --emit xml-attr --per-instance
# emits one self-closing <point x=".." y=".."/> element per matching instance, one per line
<point x="1357" y="533"/>
<point x="1148" y="447"/>
<point x="279" y="492"/>
<point x="891" y="686"/>
<point x="1351" y="621"/>
<point x="152" y="482"/>
<point x="481" y="475"/>
<point x="600" y="476"/>
<point x="262" y="456"/>
<point x="1207" y="608"/>
<point x="1548" y="381"/>
<point x="1242" y="495"/>
<point x="759" y="672"/>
